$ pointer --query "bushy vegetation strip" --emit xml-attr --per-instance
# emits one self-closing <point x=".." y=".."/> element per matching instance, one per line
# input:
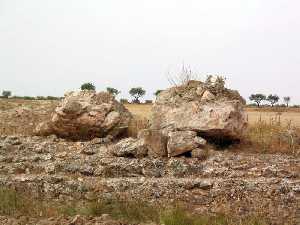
<point x="14" y="204"/>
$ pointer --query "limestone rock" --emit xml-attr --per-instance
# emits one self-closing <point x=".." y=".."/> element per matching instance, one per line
<point x="130" y="147"/>
<point x="217" y="114"/>
<point x="183" y="141"/>
<point x="86" y="115"/>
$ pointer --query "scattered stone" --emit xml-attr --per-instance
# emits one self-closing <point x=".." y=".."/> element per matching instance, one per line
<point x="130" y="147"/>
<point x="77" y="220"/>
<point x="181" y="142"/>
<point x="223" y="179"/>
<point x="105" y="140"/>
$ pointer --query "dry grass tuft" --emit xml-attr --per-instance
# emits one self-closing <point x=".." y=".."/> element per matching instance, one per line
<point x="137" y="123"/>
<point x="16" y="204"/>
<point x="13" y="203"/>
<point x="272" y="137"/>
<point x="180" y="216"/>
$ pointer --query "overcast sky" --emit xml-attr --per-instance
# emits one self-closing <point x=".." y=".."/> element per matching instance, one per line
<point x="50" y="46"/>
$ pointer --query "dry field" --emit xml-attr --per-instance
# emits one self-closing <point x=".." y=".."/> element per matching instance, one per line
<point x="269" y="115"/>
<point x="16" y="112"/>
<point x="37" y="110"/>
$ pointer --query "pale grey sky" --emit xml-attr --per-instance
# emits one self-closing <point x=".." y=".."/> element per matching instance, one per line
<point x="50" y="46"/>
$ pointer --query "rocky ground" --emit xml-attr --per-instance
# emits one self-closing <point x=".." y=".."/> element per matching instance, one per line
<point x="225" y="182"/>
<point x="86" y="155"/>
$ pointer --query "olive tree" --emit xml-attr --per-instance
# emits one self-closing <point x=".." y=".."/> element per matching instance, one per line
<point x="257" y="98"/>
<point x="6" y="94"/>
<point x="88" y="86"/>
<point x="137" y="93"/>
<point x="113" y="91"/>
<point x="273" y="99"/>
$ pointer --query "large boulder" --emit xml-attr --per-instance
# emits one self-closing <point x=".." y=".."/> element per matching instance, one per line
<point x="199" y="107"/>
<point x="220" y="119"/>
<point x="86" y="115"/>
<point x="194" y="110"/>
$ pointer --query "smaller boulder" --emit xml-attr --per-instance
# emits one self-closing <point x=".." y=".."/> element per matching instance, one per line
<point x="130" y="147"/>
<point x="183" y="141"/>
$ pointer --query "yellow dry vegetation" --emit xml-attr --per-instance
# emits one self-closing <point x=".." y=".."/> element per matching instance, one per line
<point x="254" y="115"/>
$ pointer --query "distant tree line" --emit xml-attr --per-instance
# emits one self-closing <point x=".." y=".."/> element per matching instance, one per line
<point x="138" y="92"/>
<point x="271" y="99"/>
<point x="8" y="94"/>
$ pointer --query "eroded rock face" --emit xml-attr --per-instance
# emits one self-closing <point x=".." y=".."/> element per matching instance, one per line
<point x="199" y="107"/>
<point x="213" y="119"/>
<point x="85" y="115"/>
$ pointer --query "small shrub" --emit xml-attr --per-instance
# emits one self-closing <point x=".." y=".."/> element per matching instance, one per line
<point x="52" y="98"/>
<point x="28" y="98"/>
<point x="183" y="77"/>
<point x="40" y="98"/>
<point x="17" y="97"/>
